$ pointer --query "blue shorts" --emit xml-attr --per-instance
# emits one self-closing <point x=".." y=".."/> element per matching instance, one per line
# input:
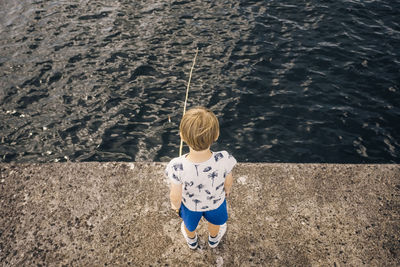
<point x="191" y="218"/>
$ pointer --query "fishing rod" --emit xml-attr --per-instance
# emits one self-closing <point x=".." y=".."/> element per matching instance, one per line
<point x="187" y="95"/>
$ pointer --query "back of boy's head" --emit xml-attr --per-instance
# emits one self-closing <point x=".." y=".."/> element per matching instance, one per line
<point x="199" y="128"/>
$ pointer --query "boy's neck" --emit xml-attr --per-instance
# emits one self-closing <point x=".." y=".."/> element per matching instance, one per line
<point x="199" y="156"/>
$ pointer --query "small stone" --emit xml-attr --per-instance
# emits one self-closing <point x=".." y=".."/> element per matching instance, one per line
<point x="131" y="166"/>
<point x="242" y="179"/>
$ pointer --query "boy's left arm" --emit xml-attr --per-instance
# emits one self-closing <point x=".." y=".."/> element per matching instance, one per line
<point x="228" y="184"/>
<point x="175" y="195"/>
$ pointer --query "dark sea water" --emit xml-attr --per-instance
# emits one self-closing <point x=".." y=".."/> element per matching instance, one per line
<point x="291" y="81"/>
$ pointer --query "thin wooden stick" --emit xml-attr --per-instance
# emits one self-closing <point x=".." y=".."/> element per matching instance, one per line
<point x="187" y="95"/>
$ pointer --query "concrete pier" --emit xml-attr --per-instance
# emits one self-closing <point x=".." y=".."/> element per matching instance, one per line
<point x="118" y="214"/>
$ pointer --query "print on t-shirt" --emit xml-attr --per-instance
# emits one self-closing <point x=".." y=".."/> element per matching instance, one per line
<point x="202" y="183"/>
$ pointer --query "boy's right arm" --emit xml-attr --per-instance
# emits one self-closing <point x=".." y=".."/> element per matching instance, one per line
<point x="175" y="195"/>
<point x="228" y="184"/>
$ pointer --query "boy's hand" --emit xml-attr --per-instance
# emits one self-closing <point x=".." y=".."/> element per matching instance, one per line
<point x="173" y="206"/>
<point x="176" y="210"/>
<point x="227" y="193"/>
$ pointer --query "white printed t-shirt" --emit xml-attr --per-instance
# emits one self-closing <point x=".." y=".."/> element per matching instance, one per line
<point x="202" y="183"/>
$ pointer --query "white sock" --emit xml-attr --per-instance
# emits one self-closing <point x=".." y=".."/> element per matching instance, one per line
<point x="194" y="239"/>
<point x="213" y="239"/>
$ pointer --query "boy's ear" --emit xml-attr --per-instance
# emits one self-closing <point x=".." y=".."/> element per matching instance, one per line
<point x="216" y="138"/>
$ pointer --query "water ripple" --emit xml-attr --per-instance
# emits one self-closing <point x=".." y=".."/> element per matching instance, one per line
<point x="97" y="80"/>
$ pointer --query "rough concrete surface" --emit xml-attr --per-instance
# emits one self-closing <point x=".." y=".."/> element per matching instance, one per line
<point x="118" y="214"/>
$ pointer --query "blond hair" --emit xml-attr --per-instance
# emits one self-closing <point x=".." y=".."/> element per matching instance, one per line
<point x="199" y="128"/>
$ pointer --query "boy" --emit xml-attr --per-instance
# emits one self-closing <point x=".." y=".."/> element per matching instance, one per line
<point x="201" y="179"/>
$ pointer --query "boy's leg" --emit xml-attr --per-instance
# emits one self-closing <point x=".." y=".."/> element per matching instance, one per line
<point x="190" y="220"/>
<point x="190" y="234"/>
<point x="216" y="224"/>
<point x="213" y="229"/>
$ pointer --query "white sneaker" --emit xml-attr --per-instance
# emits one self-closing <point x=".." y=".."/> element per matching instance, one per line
<point x="192" y="242"/>
<point x="213" y="242"/>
